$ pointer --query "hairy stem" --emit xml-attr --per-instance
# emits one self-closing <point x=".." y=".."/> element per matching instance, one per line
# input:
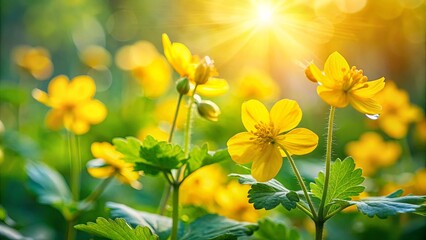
<point x="175" y="213"/>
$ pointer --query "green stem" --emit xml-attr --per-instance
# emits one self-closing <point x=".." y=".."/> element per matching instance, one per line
<point x="407" y="159"/>
<point x="321" y="212"/>
<point x="95" y="194"/>
<point x="70" y="229"/>
<point x="301" y="182"/>
<point x="319" y="229"/>
<point x="175" y="213"/>
<point x="305" y="210"/>
<point x="175" y="118"/>
<point x="75" y="165"/>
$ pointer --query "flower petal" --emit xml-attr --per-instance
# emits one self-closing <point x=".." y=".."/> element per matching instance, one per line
<point x="336" y="66"/>
<point x="79" y="126"/>
<point x="372" y="88"/>
<point x="92" y="111"/>
<point x="365" y="105"/>
<point x="334" y="97"/>
<point x="298" y="141"/>
<point x="252" y="113"/>
<point x="213" y="87"/>
<point x="54" y="119"/>
<point x="40" y="96"/>
<point x="240" y="146"/>
<point x="81" y="88"/>
<point x="285" y="115"/>
<point x="267" y="164"/>
<point x="58" y="86"/>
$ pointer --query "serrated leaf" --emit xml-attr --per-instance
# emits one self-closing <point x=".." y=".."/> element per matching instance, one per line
<point x="159" y="225"/>
<point x="129" y="147"/>
<point x="215" y="227"/>
<point x="344" y="181"/>
<point x="200" y="157"/>
<point x="116" y="229"/>
<point x="49" y="185"/>
<point x="268" y="194"/>
<point x="390" y="205"/>
<point x="275" y="230"/>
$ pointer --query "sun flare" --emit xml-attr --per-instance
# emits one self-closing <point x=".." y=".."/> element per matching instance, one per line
<point x="265" y="14"/>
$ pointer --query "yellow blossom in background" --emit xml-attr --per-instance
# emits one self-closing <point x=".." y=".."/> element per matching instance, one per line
<point x="371" y="153"/>
<point x="341" y="85"/>
<point x="95" y="57"/>
<point x="411" y="184"/>
<point x="199" y="71"/>
<point x="267" y="133"/>
<point x="109" y="163"/>
<point x="201" y="186"/>
<point x="232" y="202"/>
<point x="397" y="111"/>
<point x="35" y="60"/>
<point x="164" y="112"/>
<point x="72" y="103"/>
<point x="154" y="131"/>
<point x="420" y="133"/>
<point x="353" y="208"/>
<point x="257" y="85"/>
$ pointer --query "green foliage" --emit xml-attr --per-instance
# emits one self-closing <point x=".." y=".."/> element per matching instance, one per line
<point x="273" y="230"/>
<point x="390" y="205"/>
<point x="269" y="194"/>
<point x="344" y="181"/>
<point x="200" y="157"/>
<point x="116" y="229"/>
<point x="206" y="227"/>
<point x="49" y="186"/>
<point x="129" y="147"/>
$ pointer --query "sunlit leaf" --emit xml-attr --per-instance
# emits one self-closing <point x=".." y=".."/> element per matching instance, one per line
<point x="390" y="205"/>
<point x="116" y="229"/>
<point x="268" y="195"/>
<point x="275" y="230"/>
<point x="129" y="147"/>
<point x="200" y="157"/>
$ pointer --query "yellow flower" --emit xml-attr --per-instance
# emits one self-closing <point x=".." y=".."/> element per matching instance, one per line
<point x="267" y="133"/>
<point x="232" y="202"/>
<point x="72" y="103"/>
<point x="257" y="85"/>
<point x="371" y="153"/>
<point x="95" y="57"/>
<point x="163" y="112"/>
<point x="201" y="72"/>
<point x="109" y="162"/>
<point x="35" y="60"/>
<point x="154" y="131"/>
<point x="397" y="113"/>
<point x="341" y="85"/>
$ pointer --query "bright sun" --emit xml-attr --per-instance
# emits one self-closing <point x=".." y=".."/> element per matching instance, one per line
<point x="265" y="14"/>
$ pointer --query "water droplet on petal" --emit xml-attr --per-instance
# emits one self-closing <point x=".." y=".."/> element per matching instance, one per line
<point x="373" y="116"/>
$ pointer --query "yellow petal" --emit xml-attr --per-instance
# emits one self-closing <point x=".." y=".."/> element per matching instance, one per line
<point x="58" y="87"/>
<point x="98" y="168"/>
<point x="213" y="87"/>
<point x="81" y="88"/>
<point x="336" y="66"/>
<point x="365" y="105"/>
<point x="252" y="113"/>
<point x="239" y="146"/>
<point x="298" y="141"/>
<point x="79" y="127"/>
<point x="393" y="126"/>
<point x="54" y="119"/>
<point x="92" y="111"/>
<point x="97" y="149"/>
<point x="334" y="97"/>
<point x="267" y="164"/>
<point x="167" y="46"/>
<point x="372" y="88"/>
<point x="315" y="75"/>
<point x="40" y="96"/>
<point x="285" y="115"/>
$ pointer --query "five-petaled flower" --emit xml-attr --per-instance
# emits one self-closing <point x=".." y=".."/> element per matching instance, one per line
<point x="72" y="103"/>
<point x="109" y="162"/>
<point x="268" y="135"/>
<point x="341" y="85"/>
<point x="200" y="72"/>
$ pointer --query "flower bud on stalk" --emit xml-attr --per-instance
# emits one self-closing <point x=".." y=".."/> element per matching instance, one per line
<point x="208" y="110"/>
<point x="183" y="86"/>
<point x="204" y="71"/>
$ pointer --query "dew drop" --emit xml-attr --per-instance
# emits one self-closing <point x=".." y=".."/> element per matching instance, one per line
<point x="372" y="116"/>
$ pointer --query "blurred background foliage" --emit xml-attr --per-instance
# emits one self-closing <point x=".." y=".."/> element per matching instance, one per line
<point x="261" y="48"/>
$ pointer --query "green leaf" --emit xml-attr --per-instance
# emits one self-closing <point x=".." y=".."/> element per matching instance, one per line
<point x="216" y="227"/>
<point x="268" y="194"/>
<point x="13" y="94"/>
<point x="344" y="181"/>
<point x="275" y="230"/>
<point x="159" y="225"/>
<point x="390" y="205"/>
<point x="48" y="184"/>
<point x="129" y="147"/>
<point x="200" y="157"/>
<point x="116" y="229"/>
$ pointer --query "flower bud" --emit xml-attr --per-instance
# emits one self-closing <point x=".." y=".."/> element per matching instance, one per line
<point x="208" y="110"/>
<point x="309" y="74"/>
<point x="183" y="86"/>
<point x="204" y="71"/>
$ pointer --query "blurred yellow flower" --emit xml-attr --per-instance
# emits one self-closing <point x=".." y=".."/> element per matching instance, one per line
<point x="72" y="103"/>
<point x="371" y="152"/>
<point x="153" y="131"/>
<point x="34" y="60"/>
<point x="95" y="57"/>
<point x="163" y="112"/>
<point x="232" y="202"/>
<point x="413" y="184"/>
<point x="200" y="190"/>
<point x="109" y="163"/>
<point x="267" y="133"/>
<point x="397" y="111"/>
<point x="257" y="85"/>
<point x="341" y="85"/>
<point x="200" y="72"/>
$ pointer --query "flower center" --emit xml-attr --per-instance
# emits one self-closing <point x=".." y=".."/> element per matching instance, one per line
<point x="354" y="77"/>
<point x="264" y="133"/>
